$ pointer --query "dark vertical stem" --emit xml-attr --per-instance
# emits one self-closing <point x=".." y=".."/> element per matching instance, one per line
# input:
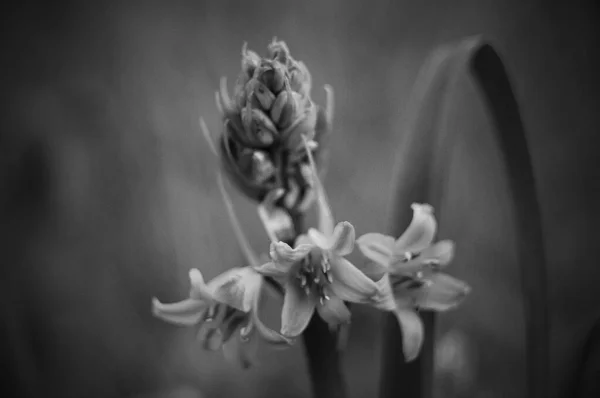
<point x="320" y="344"/>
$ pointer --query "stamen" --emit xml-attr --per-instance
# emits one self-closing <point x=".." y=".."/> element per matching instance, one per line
<point x="210" y="314"/>
<point x="410" y="256"/>
<point x="246" y="331"/>
<point x="329" y="277"/>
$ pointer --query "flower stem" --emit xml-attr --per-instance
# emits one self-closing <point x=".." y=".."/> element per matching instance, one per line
<point x="320" y="345"/>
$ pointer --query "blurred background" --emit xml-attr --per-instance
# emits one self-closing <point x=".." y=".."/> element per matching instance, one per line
<point x="108" y="193"/>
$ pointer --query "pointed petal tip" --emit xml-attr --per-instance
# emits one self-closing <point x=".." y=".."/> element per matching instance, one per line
<point x="195" y="276"/>
<point x="423" y="207"/>
<point x="156" y="304"/>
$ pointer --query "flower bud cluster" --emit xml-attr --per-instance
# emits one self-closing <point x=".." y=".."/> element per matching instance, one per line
<point x="264" y="123"/>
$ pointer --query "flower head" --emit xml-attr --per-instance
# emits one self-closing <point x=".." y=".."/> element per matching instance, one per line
<point x="315" y="274"/>
<point x="408" y="271"/>
<point x="264" y="122"/>
<point x="226" y="309"/>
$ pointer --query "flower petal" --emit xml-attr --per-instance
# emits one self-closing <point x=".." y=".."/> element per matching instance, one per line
<point x="343" y="238"/>
<point x="268" y="334"/>
<point x="373" y="270"/>
<point x="236" y="287"/>
<point x="349" y="283"/>
<point x="298" y="308"/>
<point x="412" y="332"/>
<point x="285" y="256"/>
<point x="437" y="256"/>
<point x="443" y="293"/>
<point x="334" y="311"/>
<point x="384" y="299"/>
<point x="272" y="269"/>
<point x="303" y="239"/>
<point x="187" y="312"/>
<point x="420" y="232"/>
<point x="376" y="247"/>
<point x="198" y="290"/>
<point x="320" y="240"/>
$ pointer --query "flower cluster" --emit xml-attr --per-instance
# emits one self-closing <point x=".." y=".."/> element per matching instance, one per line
<point x="271" y="113"/>
<point x="263" y="124"/>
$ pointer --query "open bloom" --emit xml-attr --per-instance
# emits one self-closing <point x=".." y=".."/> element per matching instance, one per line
<point x="226" y="309"/>
<point x="315" y="273"/>
<point x="408" y="270"/>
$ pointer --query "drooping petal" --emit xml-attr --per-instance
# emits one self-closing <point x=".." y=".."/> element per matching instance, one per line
<point x="384" y="299"/>
<point x="285" y="256"/>
<point x="268" y="334"/>
<point x="298" y="308"/>
<point x="349" y="283"/>
<point x="343" y="238"/>
<point x="443" y="293"/>
<point x="437" y="255"/>
<point x="236" y="287"/>
<point x="334" y="311"/>
<point x="320" y="240"/>
<point x="198" y="290"/>
<point x="373" y="270"/>
<point x="187" y="312"/>
<point x="420" y="232"/>
<point x="412" y="332"/>
<point x="376" y="247"/>
<point x="303" y="239"/>
<point x="272" y="269"/>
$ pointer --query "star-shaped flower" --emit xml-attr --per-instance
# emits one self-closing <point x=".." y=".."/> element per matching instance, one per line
<point x="408" y="271"/>
<point x="226" y="309"/>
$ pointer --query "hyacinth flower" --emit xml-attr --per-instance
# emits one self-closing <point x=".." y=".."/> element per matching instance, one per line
<point x="409" y="271"/>
<point x="227" y="307"/>
<point x="261" y="148"/>
<point x="315" y="274"/>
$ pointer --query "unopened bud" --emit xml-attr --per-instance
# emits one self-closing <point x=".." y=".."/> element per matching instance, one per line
<point x="259" y="128"/>
<point x="262" y="167"/>
<point x="279" y="50"/>
<point x="272" y="75"/>
<point x="302" y="127"/>
<point x="264" y="95"/>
